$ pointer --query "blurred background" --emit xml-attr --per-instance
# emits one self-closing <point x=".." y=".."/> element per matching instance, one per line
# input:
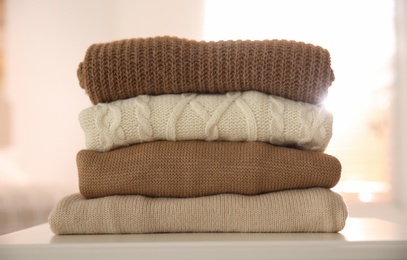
<point x="43" y="41"/>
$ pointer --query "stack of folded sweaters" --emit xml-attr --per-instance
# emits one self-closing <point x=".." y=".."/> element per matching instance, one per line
<point x="188" y="136"/>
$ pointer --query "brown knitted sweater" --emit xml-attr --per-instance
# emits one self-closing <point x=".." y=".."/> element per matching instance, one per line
<point x="199" y="168"/>
<point x="169" y="65"/>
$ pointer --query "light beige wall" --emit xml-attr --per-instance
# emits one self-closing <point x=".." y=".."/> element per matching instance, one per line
<point x="399" y="151"/>
<point x="45" y="41"/>
<point x="144" y="18"/>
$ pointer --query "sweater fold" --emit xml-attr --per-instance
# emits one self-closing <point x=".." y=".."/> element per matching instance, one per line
<point x="307" y="210"/>
<point x="234" y="116"/>
<point x="170" y="65"/>
<point x="199" y="168"/>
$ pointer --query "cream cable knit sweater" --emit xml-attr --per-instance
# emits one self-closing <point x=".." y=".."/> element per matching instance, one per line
<point x="234" y="116"/>
<point x="301" y="210"/>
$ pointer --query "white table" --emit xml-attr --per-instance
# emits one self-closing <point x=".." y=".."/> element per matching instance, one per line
<point x="361" y="239"/>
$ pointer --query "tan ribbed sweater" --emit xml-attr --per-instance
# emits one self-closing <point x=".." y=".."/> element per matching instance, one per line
<point x="199" y="168"/>
<point x="170" y="65"/>
<point x="308" y="210"/>
<point x="234" y="116"/>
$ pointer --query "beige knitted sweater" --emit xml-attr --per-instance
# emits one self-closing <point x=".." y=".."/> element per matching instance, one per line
<point x="307" y="210"/>
<point x="234" y="116"/>
<point x="199" y="168"/>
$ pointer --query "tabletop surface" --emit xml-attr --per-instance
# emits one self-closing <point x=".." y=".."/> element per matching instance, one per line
<point x="362" y="238"/>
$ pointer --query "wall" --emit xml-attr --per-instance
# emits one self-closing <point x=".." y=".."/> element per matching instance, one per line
<point x="400" y="123"/>
<point x="45" y="41"/>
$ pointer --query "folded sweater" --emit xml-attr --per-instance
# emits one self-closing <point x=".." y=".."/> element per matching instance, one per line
<point x="169" y="65"/>
<point x="305" y="210"/>
<point x="199" y="168"/>
<point x="234" y="116"/>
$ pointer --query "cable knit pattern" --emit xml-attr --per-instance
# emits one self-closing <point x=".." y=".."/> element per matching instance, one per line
<point x="307" y="210"/>
<point x="170" y="65"/>
<point x="143" y="113"/>
<point x="276" y="112"/>
<point x="176" y="112"/>
<point x="108" y="123"/>
<point x="235" y="116"/>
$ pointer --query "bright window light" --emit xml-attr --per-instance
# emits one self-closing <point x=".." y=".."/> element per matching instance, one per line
<point x="361" y="39"/>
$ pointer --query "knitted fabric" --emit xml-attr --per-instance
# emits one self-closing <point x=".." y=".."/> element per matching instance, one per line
<point x="307" y="210"/>
<point x="169" y="65"/>
<point x="199" y="168"/>
<point x="235" y="116"/>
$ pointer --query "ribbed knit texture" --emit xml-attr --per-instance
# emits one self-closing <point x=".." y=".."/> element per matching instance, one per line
<point x="199" y="168"/>
<point x="235" y="116"/>
<point x="169" y="65"/>
<point x="307" y="210"/>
